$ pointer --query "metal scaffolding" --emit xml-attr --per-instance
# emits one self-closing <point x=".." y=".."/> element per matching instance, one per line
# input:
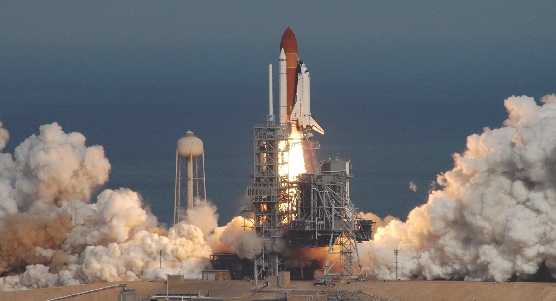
<point x="267" y="194"/>
<point x="313" y="210"/>
<point x="327" y="218"/>
<point x="292" y="210"/>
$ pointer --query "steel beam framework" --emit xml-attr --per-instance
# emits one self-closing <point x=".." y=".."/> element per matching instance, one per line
<point x="313" y="210"/>
<point x="268" y="195"/>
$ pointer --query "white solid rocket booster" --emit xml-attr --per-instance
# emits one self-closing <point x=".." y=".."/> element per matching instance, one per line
<point x="282" y="86"/>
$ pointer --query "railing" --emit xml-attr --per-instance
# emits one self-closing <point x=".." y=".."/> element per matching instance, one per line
<point x="89" y="291"/>
<point x="259" y="287"/>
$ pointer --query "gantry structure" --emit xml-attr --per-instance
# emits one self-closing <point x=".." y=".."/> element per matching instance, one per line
<point x="312" y="210"/>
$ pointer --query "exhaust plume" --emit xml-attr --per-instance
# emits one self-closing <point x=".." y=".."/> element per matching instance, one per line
<point x="493" y="218"/>
<point x="50" y="170"/>
<point x="203" y="215"/>
<point x="236" y="237"/>
<point x="50" y="235"/>
<point x="4" y="137"/>
<point x="25" y="239"/>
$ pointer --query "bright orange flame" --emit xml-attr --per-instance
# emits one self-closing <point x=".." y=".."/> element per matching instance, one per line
<point x="292" y="164"/>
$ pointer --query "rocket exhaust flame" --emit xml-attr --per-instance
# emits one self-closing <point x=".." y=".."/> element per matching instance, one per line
<point x="292" y="165"/>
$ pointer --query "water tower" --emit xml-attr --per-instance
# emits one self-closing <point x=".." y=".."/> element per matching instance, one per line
<point x="190" y="172"/>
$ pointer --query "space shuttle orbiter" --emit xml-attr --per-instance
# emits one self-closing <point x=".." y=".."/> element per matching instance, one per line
<point x="295" y="87"/>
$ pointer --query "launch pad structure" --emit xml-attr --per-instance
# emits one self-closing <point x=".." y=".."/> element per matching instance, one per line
<point x="311" y="211"/>
<point x="291" y="210"/>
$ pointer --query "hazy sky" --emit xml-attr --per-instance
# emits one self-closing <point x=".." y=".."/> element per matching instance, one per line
<point x="228" y="43"/>
<point x="397" y="85"/>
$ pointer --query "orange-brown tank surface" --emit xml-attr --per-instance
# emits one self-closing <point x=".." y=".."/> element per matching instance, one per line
<point x="289" y="44"/>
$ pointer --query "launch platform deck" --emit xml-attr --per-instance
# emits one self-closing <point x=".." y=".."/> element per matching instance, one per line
<point x="302" y="290"/>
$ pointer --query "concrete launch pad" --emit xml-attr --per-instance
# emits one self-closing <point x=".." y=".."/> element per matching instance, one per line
<point x="303" y="290"/>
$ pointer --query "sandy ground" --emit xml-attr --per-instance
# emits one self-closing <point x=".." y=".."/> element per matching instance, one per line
<point x="302" y="290"/>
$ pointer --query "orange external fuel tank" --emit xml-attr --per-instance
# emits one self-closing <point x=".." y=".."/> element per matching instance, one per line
<point x="289" y="44"/>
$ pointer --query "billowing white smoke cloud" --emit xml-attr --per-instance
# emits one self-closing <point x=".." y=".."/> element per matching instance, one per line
<point x="494" y="219"/>
<point x="183" y="250"/>
<point x="203" y="215"/>
<point x="4" y="137"/>
<point x="50" y="235"/>
<point x="412" y="186"/>
<point x="236" y="237"/>
<point x="49" y="171"/>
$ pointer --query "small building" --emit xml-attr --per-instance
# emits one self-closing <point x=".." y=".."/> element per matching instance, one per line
<point x="282" y="280"/>
<point x="217" y="275"/>
<point x="175" y="280"/>
<point x="128" y="295"/>
<point x="239" y="268"/>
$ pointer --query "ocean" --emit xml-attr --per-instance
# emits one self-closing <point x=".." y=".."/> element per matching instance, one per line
<point x="393" y="135"/>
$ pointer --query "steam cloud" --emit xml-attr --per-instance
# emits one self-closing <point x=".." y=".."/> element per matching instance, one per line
<point x="50" y="235"/>
<point x="412" y="186"/>
<point x="495" y="217"/>
<point x="493" y="220"/>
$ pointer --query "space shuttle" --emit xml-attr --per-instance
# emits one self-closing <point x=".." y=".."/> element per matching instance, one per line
<point x="295" y="87"/>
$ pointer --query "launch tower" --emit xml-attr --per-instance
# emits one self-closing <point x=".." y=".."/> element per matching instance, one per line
<point x="312" y="209"/>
